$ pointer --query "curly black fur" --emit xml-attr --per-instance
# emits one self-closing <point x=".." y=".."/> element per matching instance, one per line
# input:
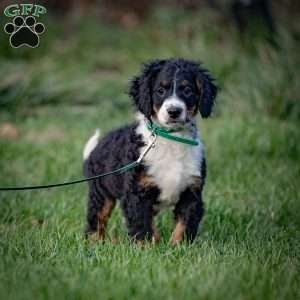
<point x="137" y="194"/>
<point x="141" y="87"/>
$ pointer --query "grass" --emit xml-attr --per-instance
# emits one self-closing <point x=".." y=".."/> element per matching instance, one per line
<point x="56" y="95"/>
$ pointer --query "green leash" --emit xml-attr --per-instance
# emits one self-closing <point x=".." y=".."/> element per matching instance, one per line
<point x="156" y="131"/>
<point x="117" y="172"/>
<point x="166" y="133"/>
<point x="47" y="186"/>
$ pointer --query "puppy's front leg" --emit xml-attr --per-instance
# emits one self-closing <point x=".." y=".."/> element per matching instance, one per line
<point x="188" y="214"/>
<point x="138" y="212"/>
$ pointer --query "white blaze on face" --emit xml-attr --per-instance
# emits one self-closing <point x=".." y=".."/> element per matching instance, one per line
<point x="172" y="101"/>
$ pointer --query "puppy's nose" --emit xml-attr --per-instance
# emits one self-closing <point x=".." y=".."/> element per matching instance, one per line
<point x="174" y="111"/>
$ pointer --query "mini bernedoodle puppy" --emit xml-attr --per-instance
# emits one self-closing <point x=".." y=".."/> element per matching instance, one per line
<point x="168" y="93"/>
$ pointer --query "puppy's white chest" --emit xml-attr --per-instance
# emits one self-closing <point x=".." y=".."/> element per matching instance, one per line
<point x="173" y="166"/>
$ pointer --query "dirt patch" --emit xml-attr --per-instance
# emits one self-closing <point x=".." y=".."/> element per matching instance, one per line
<point x="9" y="131"/>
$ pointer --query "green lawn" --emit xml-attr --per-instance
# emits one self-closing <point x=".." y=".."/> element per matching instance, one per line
<point x="56" y="95"/>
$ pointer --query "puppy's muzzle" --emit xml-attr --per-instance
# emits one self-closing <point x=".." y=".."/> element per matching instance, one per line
<point x="174" y="112"/>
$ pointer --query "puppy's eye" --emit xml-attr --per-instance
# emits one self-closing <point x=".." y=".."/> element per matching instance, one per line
<point x="187" y="91"/>
<point x="161" y="91"/>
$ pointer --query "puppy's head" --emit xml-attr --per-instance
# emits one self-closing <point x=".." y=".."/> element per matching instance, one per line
<point x="172" y="91"/>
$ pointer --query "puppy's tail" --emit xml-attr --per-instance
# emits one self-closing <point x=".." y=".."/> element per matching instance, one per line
<point x="91" y="144"/>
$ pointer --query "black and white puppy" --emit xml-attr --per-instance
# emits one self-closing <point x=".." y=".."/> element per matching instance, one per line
<point x="169" y="93"/>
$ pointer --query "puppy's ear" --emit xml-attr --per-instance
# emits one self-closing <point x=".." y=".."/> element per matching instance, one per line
<point x="140" y="88"/>
<point x="207" y="91"/>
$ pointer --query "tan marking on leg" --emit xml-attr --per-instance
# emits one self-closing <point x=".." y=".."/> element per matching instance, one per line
<point x="103" y="217"/>
<point x="146" y="181"/>
<point x="178" y="232"/>
<point x="155" y="235"/>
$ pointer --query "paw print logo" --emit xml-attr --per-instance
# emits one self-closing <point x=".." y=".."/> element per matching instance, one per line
<point x="24" y="32"/>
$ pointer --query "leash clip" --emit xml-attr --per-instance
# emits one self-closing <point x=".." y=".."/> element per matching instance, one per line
<point x="147" y="149"/>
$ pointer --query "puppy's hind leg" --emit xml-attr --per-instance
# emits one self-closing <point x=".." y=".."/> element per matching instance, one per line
<point x="98" y="213"/>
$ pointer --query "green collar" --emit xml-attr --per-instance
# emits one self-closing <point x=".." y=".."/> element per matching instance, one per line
<point x="166" y="133"/>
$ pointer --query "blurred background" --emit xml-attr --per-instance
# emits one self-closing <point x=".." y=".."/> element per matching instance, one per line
<point x="92" y="47"/>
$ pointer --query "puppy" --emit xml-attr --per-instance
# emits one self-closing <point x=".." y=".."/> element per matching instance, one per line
<point x="168" y="93"/>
